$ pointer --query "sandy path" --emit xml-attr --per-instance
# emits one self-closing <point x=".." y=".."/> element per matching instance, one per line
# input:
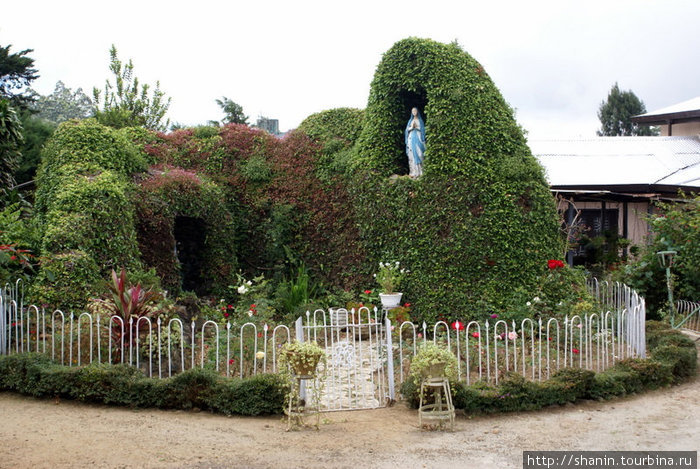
<point x="40" y="433"/>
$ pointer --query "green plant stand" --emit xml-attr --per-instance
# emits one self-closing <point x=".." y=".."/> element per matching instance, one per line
<point x="442" y="410"/>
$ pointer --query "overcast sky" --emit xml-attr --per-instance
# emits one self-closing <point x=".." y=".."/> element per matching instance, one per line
<point x="554" y="61"/>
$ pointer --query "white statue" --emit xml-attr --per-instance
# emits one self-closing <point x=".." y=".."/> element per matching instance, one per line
<point x="414" y="137"/>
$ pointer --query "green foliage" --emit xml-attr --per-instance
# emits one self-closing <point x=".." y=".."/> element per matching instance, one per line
<point x="161" y="198"/>
<point x="676" y="228"/>
<point x="256" y="170"/>
<point x="668" y="364"/>
<point x="433" y="361"/>
<point x="19" y="239"/>
<point x="125" y="104"/>
<point x="84" y="203"/>
<point x="335" y="129"/>
<point x="36" y="132"/>
<point x="301" y="357"/>
<point x="63" y="104"/>
<point x="11" y="139"/>
<point x="85" y="147"/>
<point x="616" y="112"/>
<point x="66" y="280"/>
<point x="36" y="375"/>
<point x="233" y="111"/>
<point x="481" y="220"/>
<point x="16" y="74"/>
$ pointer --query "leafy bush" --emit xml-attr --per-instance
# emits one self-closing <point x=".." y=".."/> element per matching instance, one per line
<point x="668" y="364"/>
<point x="676" y="228"/>
<point x="36" y="375"/>
<point x="682" y="360"/>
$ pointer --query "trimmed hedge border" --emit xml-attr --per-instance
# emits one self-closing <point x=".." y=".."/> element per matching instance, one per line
<point x="36" y="375"/>
<point x="673" y="359"/>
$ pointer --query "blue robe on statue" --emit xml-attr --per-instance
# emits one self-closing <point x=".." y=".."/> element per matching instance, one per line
<point x="414" y="138"/>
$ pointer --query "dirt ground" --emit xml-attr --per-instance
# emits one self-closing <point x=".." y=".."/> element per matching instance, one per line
<point x="45" y="434"/>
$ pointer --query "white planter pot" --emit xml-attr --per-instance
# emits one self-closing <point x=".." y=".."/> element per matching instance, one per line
<point x="390" y="300"/>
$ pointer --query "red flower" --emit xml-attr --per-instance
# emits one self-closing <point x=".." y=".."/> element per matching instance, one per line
<point x="554" y="264"/>
<point x="575" y="350"/>
<point x="407" y="305"/>
<point x="12" y="258"/>
<point x="231" y="361"/>
<point x="252" y="306"/>
<point x="475" y="335"/>
<point x="226" y="315"/>
<point x="259" y="334"/>
<point x="229" y="306"/>
<point x="368" y="292"/>
<point x="457" y="326"/>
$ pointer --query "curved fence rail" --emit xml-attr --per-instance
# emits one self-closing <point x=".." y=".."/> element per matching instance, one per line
<point x="688" y="314"/>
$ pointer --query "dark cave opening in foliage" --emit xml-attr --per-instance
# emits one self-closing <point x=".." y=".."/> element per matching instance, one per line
<point x="409" y="100"/>
<point x="190" y="235"/>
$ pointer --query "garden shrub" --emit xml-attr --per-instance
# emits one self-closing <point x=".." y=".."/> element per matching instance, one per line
<point x="682" y="360"/>
<point x="677" y="228"/>
<point x="668" y="364"/>
<point x="481" y="220"/>
<point x="65" y="281"/>
<point x="35" y="374"/>
<point x="83" y="200"/>
<point x="651" y="374"/>
<point x="258" y="395"/>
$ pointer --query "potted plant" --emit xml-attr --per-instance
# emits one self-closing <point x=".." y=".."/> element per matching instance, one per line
<point x="433" y="361"/>
<point x="302" y="357"/>
<point x="389" y="278"/>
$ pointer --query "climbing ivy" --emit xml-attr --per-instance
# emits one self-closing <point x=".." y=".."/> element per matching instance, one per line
<point x="481" y="221"/>
<point x="166" y="195"/>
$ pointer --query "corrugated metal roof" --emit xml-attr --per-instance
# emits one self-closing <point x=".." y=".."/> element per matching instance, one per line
<point x="685" y="106"/>
<point x="619" y="161"/>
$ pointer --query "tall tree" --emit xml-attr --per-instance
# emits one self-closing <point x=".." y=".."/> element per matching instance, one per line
<point x="125" y="103"/>
<point x="234" y="111"/>
<point x="63" y="104"/>
<point x="616" y="113"/>
<point x="16" y="74"/>
<point x="10" y="141"/>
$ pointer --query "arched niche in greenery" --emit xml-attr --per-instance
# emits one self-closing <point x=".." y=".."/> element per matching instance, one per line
<point x="480" y="224"/>
<point x="177" y="213"/>
<point x="467" y="120"/>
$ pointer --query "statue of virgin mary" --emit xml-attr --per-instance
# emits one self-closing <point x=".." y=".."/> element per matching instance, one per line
<point x="414" y="137"/>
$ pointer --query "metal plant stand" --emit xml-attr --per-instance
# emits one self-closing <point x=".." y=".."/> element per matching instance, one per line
<point x="297" y="409"/>
<point x="441" y="410"/>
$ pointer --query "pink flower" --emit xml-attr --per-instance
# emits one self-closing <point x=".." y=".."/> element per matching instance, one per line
<point x="575" y="350"/>
<point x="512" y="335"/>
<point x="494" y="316"/>
<point x="420" y="334"/>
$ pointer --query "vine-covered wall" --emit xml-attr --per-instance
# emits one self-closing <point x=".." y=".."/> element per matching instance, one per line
<point x="84" y="204"/>
<point x="481" y="221"/>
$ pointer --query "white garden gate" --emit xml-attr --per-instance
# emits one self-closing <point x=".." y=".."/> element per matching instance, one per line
<point x="358" y="372"/>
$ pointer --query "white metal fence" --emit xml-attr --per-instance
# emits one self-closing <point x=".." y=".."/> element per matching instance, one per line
<point x="688" y="314"/>
<point x="366" y="352"/>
